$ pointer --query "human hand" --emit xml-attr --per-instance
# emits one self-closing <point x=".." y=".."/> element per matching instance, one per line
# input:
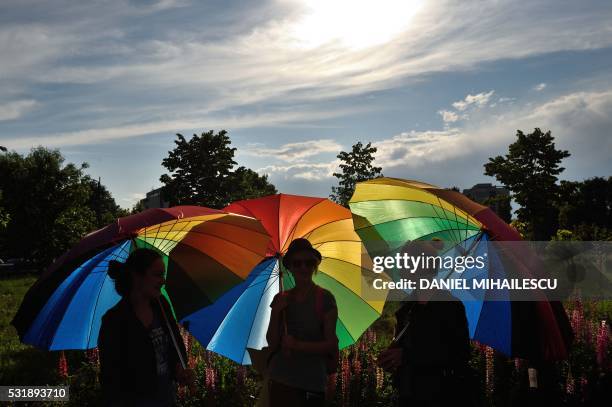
<point x="185" y="377"/>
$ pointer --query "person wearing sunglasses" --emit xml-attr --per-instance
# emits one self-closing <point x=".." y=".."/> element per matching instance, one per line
<point x="301" y="334"/>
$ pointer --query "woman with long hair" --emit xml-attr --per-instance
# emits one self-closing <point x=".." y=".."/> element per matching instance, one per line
<point x="139" y="360"/>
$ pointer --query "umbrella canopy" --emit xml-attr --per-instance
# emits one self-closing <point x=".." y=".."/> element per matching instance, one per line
<point x="239" y="319"/>
<point x="394" y="211"/>
<point x="206" y="253"/>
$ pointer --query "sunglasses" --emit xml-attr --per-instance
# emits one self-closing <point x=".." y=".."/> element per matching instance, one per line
<point x="310" y="263"/>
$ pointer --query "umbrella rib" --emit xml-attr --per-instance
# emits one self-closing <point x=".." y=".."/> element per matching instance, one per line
<point x="295" y="224"/>
<point x="436" y="220"/>
<point x="253" y="284"/>
<point x="123" y="250"/>
<point x="167" y="242"/>
<point x="447" y="218"/>
<point x="320" y="243"/>
<point x="431" y="234"/>
<point x="197" y="232"/>
<point x="455" y="211"/>
<point x="311" y="231"/>
<point x="407" y="200"/>
<point x="96" y="304"/>
<point x="167" y="233"/>
<point x="408" y="217"/>
<point x="395" y="220"/>
<point x="348" y="289"/>
<point x="255" y="315"/>
<point x="185" y="223"/>
<point x="220" y="238"/>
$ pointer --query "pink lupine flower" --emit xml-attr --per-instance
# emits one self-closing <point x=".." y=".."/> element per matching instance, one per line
<point x="577" y="322"/>
<point x="490" y="370"/>
<point x="380" y="377"/>
<point x="210" y="378"/>
<point x="182" y="392"/>
<point x="601" y="344"/>
<point x="62" y="367"/>
<point x="356" y="366"/>
<point x="345" y="377"/>
<point x="240" y="375"/>
<point x="583" y="386"/>
<point x="191" y="361"/>
<point x="570" y="383"/>
<point x="93" y="356"/>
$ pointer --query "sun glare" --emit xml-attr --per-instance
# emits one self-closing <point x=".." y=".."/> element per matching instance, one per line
<point x="353" y="24"/>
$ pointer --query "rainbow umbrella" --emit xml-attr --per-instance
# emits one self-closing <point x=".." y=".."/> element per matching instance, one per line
<point x="239" y="319"/>
<point x="388" y="212"/>
<point x="206" y="252"/>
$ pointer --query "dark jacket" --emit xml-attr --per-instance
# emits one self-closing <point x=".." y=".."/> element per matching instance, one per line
<point x="127" y="358"/>
<point x="436" y="345"/>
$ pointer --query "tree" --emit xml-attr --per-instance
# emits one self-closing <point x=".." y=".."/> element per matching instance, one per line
<point x="102" y="202"/>
<point x="138" y="207"/>
<point x="49" y="205"/>
<point x="500" y="204"/>
<point x="585" y="207"/>
<point x="356" y="167"/>
<point x="4" y="216"/>
<point x="529" y="171"/>
<point x="201" y="173"/>
<point x="245" y="183"/>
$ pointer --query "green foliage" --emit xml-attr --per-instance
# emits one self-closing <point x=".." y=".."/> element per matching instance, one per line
<point x="530" y="171"/>
<point x="247" y="184"/>
<point x="138" y="207"/>
<point x="20" y="364"/>
<point x="356" y="166"/>
<point x="201" y="173"/>
<point x="586" y="208"/>
<point x="4" y="216"/>
<point x="501" y="205"/>
<point x="48" y="205"/>
<point x="563" y="235"/>
<point x="521" y="227"/>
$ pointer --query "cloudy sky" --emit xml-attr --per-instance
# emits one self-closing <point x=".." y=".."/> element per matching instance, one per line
<point x="437" y="86"/>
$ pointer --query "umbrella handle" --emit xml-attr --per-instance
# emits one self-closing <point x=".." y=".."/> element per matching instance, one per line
<point x="171" y="331"/>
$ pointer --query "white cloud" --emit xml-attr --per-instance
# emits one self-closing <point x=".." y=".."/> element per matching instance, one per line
<point x="305" y="171"/>
<point x="539" y="87"/>
<point x="479" y="100"/>
<point x="579" y="121"/>
<point x="251" y="63"/>
<point x="16" y="109"/>
<point x="296" y="151"/>
<point x="416" y="148"/>
<point x="134" y="198"/>
<point x="448" y="116"/>
<point x="100" y="135"/>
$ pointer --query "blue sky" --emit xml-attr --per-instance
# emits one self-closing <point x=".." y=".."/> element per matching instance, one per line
<point x="438" y="86"/>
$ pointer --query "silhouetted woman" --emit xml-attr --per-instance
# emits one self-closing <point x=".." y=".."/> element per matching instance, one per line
<point x="301" y="334"/>
<point x="429" y="358"/>
<point x="139" y="364"/>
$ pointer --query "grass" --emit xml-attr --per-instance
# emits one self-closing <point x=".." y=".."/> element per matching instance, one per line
<point x="21" y="364"/>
